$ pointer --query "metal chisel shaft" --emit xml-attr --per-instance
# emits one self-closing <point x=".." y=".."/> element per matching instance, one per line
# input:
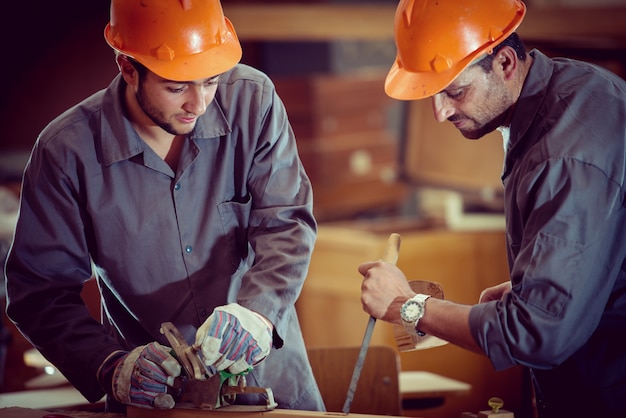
<point x="391" y="256"/>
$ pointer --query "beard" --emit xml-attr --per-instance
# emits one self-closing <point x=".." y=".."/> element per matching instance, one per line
<point x="496" y="110"/>
<point x="482" y="128"/>
<point x="156" y="115"/>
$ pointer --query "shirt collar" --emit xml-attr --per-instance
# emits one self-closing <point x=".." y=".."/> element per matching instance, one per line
<point x="121" y="142"/>
<point x="527" y="106"/>
<point x="531" y="97"/>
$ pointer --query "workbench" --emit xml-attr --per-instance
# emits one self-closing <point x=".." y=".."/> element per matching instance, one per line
<point x="133" y="412"/>
<point x="331" y="313"/>
<point x="276" y="413"/>
<point x="19" y="412"/>
<point x="417" y="388"/>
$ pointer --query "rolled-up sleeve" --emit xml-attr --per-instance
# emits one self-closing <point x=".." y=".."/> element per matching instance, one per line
<point x="564" y="269"/>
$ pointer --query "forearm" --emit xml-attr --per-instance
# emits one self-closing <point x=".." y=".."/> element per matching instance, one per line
<point x="384" y="291"/>
<point x="449" y="321"/>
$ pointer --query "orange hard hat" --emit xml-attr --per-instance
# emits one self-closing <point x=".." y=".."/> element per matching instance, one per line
<point x="179" y="40"/>
<point x="437" y="39"/>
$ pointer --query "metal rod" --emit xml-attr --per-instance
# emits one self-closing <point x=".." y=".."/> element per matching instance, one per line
<point x="390" y="256"/>
<point x="359" y="364"/>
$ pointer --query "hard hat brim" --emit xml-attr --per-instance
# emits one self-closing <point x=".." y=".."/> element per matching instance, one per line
<point x="406" y="85"/>
<point x="403" y="84"/>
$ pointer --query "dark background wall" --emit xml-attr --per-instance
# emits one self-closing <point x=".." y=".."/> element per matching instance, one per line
<point x="54" y="55"/>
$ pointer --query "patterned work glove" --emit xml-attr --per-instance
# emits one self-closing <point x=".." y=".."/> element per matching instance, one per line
<point x="234" y="338"/>
<point x="141" y="377"/>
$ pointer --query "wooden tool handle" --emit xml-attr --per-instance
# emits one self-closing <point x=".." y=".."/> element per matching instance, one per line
<point x="392" y="249"/>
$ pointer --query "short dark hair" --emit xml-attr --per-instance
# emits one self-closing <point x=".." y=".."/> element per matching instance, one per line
<point x="514" y="41"/>
<point x="142" y="70"/>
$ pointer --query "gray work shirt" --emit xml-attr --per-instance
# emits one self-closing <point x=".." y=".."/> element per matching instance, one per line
<point x="566" y="239"/>
<point x="233" y="223"/>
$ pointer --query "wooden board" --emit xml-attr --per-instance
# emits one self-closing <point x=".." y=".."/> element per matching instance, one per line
<point x="17" y="412"/>
<point x="377" y="390"/>
<point x="133" y="412"/>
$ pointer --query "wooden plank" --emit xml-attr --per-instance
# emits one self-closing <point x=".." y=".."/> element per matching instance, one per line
<point x="18" y="412"/>
<point x="377" y="391"/>
<point x="134" y="412"/>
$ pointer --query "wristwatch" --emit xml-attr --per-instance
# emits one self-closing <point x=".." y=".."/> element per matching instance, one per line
<point x="411" y="312"/>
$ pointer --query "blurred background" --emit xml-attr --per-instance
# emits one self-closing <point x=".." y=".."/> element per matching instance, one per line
<point x="328" y="59"/>
<point x="377" y="165"/>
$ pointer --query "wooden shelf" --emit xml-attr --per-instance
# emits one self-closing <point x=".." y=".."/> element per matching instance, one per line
<point x="311" y="22"/>
<point x="333" y="22"/>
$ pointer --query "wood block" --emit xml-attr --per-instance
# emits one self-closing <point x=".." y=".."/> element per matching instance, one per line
<point x="500" y="414"/>
<point x="18" y="412"/>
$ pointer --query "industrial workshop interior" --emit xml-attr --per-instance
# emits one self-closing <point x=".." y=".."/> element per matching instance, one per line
<point x="377" y="166"/>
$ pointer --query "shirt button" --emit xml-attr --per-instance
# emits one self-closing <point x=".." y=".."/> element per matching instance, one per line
<point x="177" y="186"/>
<point x="202" y="313"/>
<point x="188" y="249"/>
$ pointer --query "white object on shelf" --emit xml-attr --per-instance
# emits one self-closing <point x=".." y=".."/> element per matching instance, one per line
<point x="449" y="207"/>
<point x="416" y="383"/>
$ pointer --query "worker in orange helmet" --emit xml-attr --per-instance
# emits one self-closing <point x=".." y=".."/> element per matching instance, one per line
<point x="179" y="188"/>
<point x="563" y="123"/>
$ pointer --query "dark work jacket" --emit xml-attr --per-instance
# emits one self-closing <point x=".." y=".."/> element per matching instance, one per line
<point x="233" y="223"/>
<point x="566" y="238"/>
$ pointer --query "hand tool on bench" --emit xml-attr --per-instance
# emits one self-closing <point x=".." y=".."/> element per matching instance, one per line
<point x="390" y="256"/>
<point x="204" y="388"/>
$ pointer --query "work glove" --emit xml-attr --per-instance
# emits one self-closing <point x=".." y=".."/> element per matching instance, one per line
<point x="234" y="338"/>
<point x="142" y="377"/>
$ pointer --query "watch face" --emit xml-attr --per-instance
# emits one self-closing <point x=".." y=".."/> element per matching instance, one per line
<point x="411" y="311"/>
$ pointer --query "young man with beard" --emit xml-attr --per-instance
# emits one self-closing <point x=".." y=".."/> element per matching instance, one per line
<point x="180" y="189"/>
